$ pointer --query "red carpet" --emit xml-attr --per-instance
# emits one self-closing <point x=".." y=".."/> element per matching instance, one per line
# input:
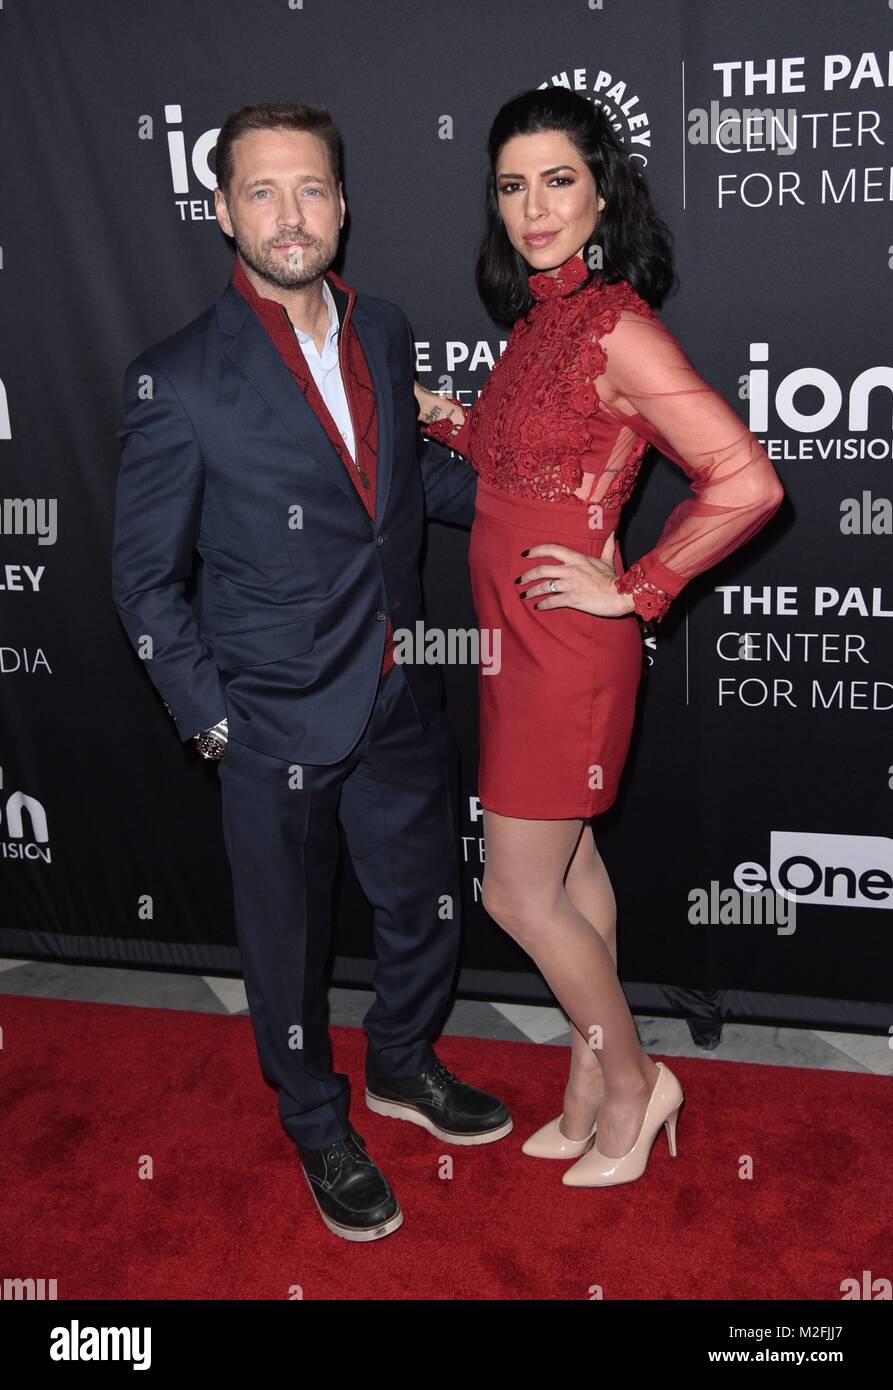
<point x="90" y="1090"/>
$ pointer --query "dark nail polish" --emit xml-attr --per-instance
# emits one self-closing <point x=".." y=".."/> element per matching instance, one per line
<point x="518" y="580"/>
<point x="525" y="552"/>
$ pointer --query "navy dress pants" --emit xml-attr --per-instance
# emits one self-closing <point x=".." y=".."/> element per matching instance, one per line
<point x="396" y="798"/>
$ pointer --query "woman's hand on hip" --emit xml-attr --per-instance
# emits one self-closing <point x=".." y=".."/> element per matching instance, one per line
<point x="585" y="582"/>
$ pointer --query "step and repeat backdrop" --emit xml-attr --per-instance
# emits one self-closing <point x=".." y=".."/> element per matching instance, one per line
<point x="750" y="848"/>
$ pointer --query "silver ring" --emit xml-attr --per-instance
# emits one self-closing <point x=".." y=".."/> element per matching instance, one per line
<point x="553" y="585"/>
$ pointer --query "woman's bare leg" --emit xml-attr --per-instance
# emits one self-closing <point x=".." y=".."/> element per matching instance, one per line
<point x="589" y="888"/>
<point x="524" y="891"/>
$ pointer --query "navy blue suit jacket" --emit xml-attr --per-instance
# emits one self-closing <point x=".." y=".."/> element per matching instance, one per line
<point x="226" y="469"/>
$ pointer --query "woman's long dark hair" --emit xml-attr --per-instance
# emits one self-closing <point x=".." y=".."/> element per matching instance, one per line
<point x="635" y="243"/>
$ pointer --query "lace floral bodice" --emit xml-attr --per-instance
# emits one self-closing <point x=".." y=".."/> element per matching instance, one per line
<point x="586" y="382"/>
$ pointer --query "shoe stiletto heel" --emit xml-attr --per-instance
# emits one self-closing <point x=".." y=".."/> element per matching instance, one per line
<point x="670" y="1127"/>
<point x="596" y="1169"/>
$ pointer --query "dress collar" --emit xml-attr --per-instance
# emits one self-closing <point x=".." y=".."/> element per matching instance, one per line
<point x="572" y="273"/>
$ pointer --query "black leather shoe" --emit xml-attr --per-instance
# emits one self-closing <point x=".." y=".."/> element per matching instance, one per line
<point x="353" y="1196"/>
<point x="441" y="1103"/>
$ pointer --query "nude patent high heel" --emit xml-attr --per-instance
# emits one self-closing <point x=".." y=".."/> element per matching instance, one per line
<point x="549" y="1142"/>
<point x="596" y="1169"/>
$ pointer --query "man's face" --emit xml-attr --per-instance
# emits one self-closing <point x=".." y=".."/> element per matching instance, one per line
<point x="284" y="209"/>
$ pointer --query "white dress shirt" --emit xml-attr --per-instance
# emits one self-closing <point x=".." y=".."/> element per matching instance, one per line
<point x="326" y="371"/>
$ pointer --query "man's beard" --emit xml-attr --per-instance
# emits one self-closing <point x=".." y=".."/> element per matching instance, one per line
<point x="294" y="271"/>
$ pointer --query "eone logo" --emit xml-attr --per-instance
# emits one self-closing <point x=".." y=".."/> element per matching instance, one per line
<point x="829" y="870"/>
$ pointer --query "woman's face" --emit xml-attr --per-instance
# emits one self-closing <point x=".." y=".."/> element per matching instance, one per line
<point x="546" y="197"/>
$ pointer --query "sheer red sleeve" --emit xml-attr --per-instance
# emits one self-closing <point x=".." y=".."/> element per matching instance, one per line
<point x="736" y="489"/>
<point x="446" y="431"/>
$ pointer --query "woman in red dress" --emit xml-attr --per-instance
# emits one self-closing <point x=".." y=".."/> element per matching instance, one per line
<point x="575" y="257"/>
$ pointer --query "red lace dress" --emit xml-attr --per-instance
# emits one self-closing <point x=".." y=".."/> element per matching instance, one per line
<point x="586" y="382"/>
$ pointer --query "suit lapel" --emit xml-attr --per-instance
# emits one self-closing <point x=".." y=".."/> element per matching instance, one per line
<point x="255" y="355"/>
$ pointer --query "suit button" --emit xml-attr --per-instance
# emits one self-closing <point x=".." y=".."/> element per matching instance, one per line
<point x="380" y="614"/>
<point x="379" y="540"/>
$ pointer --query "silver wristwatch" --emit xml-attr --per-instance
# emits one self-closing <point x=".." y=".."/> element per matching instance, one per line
<point x="211" y="743"/>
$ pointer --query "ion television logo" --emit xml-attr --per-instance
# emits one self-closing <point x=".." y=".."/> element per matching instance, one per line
<point x="24" y="832"/>
<point x="829" y="870"/>
<point x="191" y="174"/>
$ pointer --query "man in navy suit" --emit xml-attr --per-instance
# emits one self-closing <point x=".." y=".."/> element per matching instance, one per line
<point x="276" y="437"/>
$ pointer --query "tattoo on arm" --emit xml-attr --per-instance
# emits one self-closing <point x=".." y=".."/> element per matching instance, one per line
<point x="434" y="413"/>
